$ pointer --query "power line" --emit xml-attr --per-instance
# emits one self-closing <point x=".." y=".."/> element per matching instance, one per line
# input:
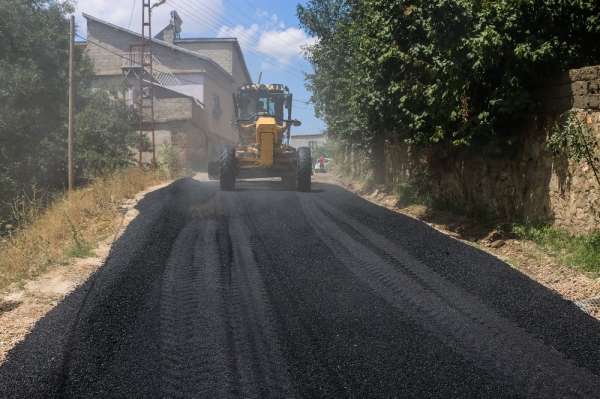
<point x="132" y="12"/>
<point x="215" y="24"/>
<point x="97" y="44"/>
<point x="128" y="59"/>
<point x="253" y="7"/>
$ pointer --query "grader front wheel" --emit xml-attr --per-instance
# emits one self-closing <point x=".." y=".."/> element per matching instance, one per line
<point x="228" y="169"/>
<point x="303" y="169"/>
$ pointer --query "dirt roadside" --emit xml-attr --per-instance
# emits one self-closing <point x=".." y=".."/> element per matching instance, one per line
<point x="23" y="304"/>
<point x="523" y="255"/>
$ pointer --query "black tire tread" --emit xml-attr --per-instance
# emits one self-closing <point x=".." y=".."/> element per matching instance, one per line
<point x="303" y="169"/>
<point x="228" y="169"/>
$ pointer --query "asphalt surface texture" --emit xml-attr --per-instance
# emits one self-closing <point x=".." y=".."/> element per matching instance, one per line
<point x="268" y="293"/>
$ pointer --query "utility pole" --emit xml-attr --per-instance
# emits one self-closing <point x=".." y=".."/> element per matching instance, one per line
<point x="141" y="64"/>
<point x="146" y="78"/>
<point x="71" y="102"/>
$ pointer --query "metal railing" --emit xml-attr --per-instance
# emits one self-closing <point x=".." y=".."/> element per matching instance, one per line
<point x="161" y="74"/>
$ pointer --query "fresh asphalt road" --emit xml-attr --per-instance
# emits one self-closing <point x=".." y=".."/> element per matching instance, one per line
<point x="267" y="293"/>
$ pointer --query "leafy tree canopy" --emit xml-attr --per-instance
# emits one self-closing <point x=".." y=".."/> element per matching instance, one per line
<point x="34" y="55"/>
<point x="455" y="73"/>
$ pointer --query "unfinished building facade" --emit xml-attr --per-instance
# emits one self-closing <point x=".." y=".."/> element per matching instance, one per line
<point x="193" y="84"/>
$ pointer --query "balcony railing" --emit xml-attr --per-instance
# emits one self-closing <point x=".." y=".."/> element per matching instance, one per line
<point x="132" y="60"/>
<point x="161" y="74"/>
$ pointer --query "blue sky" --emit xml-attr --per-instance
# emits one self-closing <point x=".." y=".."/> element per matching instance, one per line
<point x="267" y="30"/>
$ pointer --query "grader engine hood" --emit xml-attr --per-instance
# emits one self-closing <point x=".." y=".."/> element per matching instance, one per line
<point x="267" y="138"/>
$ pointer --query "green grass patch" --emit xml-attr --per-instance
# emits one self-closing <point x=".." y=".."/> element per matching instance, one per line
<point x="81" y="249"/>
<point x="578" y="251"/>
<point x="410" y="194"/>
<point x="70" y="226"/>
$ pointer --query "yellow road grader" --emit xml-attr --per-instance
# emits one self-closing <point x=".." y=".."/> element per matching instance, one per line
<point x="264" y="120"/>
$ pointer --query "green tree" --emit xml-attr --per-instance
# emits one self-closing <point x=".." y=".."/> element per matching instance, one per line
<point x="33" y="75"/>
<point x="105" y="134"/>
<point x="335" y="84"/>
<point x="454" y="74"/>
<point x="33" y="103"/>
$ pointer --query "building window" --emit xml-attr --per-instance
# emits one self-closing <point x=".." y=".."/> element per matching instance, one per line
<point x="216" y="108"/>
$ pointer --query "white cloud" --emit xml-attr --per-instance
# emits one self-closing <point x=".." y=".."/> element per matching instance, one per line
<point x="119" y="12"/>
<point x="270" y="38"/>
<point x="284" y="45"/>
<point x="246" y="36"/>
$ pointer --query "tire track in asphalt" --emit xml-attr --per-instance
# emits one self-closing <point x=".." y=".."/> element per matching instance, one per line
<point x="325" y="379"/>
<point x="194" y="344"/>
<point x="341" y="339"/>
<point x="263" y="370"/>
<point x="113" y="347"/>
<point x="448" y="311"/>
<point x="540" y="311"/>
<point x="218" y="337"/>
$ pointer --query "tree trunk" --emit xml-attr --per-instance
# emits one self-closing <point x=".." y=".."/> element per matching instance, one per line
<point x="378" y="159"/>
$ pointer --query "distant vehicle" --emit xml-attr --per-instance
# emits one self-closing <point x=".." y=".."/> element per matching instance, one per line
<point x="326" y="165"/>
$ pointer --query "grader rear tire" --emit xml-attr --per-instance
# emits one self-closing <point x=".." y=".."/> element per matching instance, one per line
<point x="228" y="169"/>
<point x="303" y="169"/>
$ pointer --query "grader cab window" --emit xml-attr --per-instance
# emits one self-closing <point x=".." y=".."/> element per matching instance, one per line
<point x="254" y="104"/>
<point x="266" y="106"/>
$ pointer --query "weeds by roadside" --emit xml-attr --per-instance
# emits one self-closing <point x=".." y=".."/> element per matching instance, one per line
<point x="169" y="160"/>
<point x="578" y="251"/>
<point x="71" y="225"/>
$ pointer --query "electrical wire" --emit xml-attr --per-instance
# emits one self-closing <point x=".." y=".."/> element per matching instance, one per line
<point x="131" y="15"/>
<point x="306" y="104"/>
<point x="252" y="7"/>
<point x="181" y="79"/>
<point x="216" y="24"/>
<point x="224" y="20"/>
<point x="97" y="44"/>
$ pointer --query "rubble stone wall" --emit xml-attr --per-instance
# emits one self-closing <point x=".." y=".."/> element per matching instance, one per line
<point x="534" y="184"/>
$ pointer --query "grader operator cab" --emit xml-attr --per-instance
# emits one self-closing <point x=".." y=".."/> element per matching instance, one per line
<point x="264" y="121"/>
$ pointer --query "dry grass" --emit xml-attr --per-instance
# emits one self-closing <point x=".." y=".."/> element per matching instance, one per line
<point x="70" y="227"/>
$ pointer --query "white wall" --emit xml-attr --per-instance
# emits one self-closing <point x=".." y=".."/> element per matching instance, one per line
<point x="299" y="141"/>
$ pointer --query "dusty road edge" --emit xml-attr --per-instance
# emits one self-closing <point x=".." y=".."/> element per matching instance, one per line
<point x="522" y="255"/>
<point x="23" y="304"/>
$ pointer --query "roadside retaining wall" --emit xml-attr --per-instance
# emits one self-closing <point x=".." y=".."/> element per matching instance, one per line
<point x="534" y="184"/>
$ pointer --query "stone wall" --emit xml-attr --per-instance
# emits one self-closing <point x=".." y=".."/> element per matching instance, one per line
<point x="534" y="184"/>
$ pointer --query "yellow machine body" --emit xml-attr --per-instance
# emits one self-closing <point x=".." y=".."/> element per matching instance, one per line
<point x="263" y="128"/>
<point x="262" y="143"/>
<point x="268" y="137"/>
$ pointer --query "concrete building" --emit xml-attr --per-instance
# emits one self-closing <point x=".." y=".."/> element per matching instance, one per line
<point x="194" y="79"/>
<point x="308" y="140"/>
